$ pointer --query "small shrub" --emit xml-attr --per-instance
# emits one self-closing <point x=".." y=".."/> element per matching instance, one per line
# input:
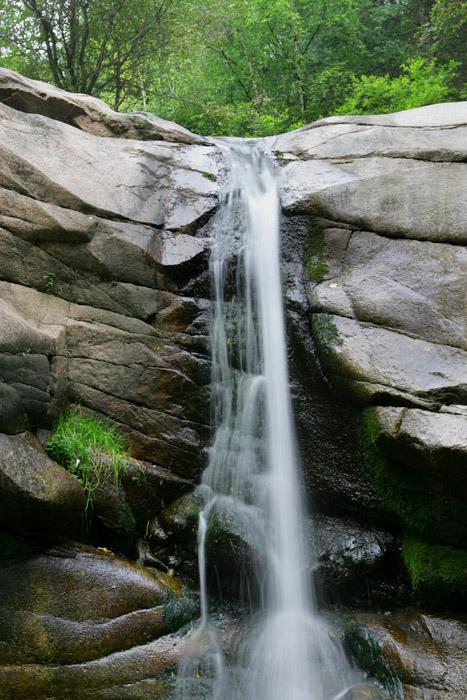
<point x="78" y="443"/>
<point x="49" y="280"/>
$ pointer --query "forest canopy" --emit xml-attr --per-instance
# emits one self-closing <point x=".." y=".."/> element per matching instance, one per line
<point x="243" y="67"/>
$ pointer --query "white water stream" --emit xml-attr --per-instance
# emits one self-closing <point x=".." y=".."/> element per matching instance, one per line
<point x="252" y="475"/>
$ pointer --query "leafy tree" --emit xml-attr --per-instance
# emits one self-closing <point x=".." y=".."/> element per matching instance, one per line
<point x="100" y="47"/>
<point x="447" y="31"/>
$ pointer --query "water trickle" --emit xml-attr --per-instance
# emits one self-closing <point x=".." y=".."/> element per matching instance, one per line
<point x="252" y="474"/>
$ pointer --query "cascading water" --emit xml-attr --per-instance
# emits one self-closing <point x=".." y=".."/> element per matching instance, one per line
<point x="252" y="473"/>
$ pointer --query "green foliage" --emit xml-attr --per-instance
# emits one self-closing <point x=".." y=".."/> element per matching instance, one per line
<point x="49" y="280"/>
<point x="438" y="574"/>
<point x="446" y="31"/>
<point x="421" y="83"/>
<point x="79" y="442"/>
<point x="243" y="67"/>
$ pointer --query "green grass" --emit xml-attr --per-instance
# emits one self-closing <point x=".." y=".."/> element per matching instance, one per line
<point x="78" y="442"/>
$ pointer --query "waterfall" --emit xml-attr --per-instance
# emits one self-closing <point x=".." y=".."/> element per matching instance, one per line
<point x="252" y="474"/>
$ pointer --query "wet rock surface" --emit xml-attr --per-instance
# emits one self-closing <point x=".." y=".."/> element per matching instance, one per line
<point x="105" y="225"/>
<point x="356" y="565"/>
<point x="415" y="655"/>
<point x="376" y="269"/>
<point x="36" y="494"/>
<point x="74" y="618"/>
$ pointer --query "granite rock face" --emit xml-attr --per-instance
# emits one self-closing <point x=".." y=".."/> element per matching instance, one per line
<point x="105" y="225"/>
<point x="103" y="300"/>
<point x="414" y="655"/>
<point x="376" y="222"/>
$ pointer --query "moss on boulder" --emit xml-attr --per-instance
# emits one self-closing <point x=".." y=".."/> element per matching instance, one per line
<point x="438" y="574"/>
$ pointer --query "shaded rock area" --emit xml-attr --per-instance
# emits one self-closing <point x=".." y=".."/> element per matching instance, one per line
<point x="105" y="227"/>
<point x="356" y="565"/>
<point x="35" y="492"/>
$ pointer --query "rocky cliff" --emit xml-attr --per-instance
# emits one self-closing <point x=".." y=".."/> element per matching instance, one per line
<point x="105" y="224"/>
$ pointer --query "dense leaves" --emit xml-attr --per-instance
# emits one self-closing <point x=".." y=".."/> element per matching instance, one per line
<point x="245" y="67"/>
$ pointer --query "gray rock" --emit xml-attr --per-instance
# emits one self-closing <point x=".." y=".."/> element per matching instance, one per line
<point x="415" y="287"/>
<point x="447" y="114"/>
<point x="433" y="442"/>
<point x="376" y="362"/>
<point x="87" y="113"/>
<point x="36" y="494"/>
<point x="386" y="195"/>
<point x="328" y="140"/>
<point x="157" y="183"/>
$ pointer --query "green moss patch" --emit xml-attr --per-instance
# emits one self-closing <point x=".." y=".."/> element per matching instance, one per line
<point x="316" y="266"/>
<point x="76" y="443"/>
<point x="406" y="494"/>
<point x="325" y="332"/>
<point x="369" y="655"/>
<point x="438" y="574"/>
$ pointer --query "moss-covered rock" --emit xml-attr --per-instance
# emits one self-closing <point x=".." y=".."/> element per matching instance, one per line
<point x="76" y="621"/>
<point x="316" y="265"/>
<point x="325" y="332"/>
<point x="414" y="499"/>
<point x="414" y="655"/>
<point x="438" y="574"/>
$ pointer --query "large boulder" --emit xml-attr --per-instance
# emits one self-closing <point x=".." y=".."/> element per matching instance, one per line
<point x="87" y="113"/>
<point x="414" y="655"/>
<point x="356" y="565"/>
<point x="36" y="494"/>
<point x="76" y="622"/>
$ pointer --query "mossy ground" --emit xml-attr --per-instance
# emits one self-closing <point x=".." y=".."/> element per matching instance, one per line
<point x="76" y="442"/>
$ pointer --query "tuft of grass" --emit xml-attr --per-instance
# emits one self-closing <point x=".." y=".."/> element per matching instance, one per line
<point x="209" y="176"/>
<point x="78" y="442"/>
